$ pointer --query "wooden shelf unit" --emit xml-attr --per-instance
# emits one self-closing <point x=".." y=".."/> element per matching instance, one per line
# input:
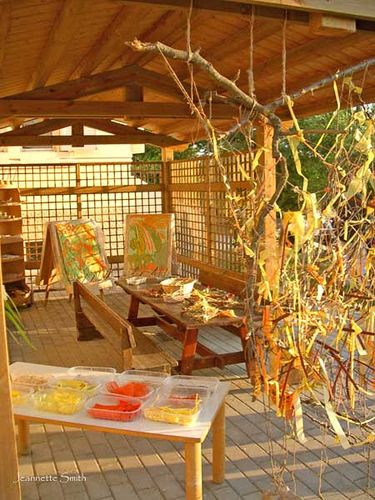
<point x="11" y="241"/>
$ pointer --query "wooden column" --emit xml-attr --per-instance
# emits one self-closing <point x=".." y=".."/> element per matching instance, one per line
<point x="267" y="183"/>
<point x="167" y="158"/>
<point x="9" y="485"/>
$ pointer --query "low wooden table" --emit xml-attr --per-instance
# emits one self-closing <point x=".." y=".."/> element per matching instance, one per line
<point x="184" y="328"/>
<point x="212" y="417"/>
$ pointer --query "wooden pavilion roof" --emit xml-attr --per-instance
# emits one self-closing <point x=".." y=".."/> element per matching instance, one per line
<point x="66" y="62"/>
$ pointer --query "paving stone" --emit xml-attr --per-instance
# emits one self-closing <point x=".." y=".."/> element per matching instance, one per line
<point x="124" y="492"/>
<point x="169" y="486"/>
<point x="50" y="490"/>
<point x="96" y="486"/>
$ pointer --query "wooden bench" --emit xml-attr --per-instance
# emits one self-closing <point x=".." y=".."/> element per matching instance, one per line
<point x="223" y="279"/>
<point x="94" y="318"/>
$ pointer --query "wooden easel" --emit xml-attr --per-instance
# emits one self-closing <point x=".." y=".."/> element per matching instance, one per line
<point x="49" y="272"/>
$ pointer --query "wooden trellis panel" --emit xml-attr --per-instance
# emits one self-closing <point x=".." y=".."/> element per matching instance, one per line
<point x="102" y="191"/>
<point x="204" y="232"/>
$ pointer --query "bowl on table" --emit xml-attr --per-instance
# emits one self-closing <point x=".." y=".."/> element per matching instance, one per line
<point x="178" y="286"/>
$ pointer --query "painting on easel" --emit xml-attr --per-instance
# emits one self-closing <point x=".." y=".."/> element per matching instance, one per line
<point x="148" y="245"/>
<point x="73" y="251"/>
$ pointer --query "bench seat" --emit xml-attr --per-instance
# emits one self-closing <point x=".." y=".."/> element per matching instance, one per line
<point x="94" y="319"/>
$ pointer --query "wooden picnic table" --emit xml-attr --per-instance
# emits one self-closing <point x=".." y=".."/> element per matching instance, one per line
<point x="211" y="417"/>
<point x="176" y="323"/>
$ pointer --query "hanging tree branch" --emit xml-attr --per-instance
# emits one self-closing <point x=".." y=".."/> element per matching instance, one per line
<point x="236" y="96"/>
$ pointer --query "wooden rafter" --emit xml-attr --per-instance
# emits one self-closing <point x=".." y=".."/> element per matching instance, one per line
<point x="102" y="82"/>
<point x="80" y="140"/>
<point x="364" y="9"/>
<point x="42" y="127"/>
<point x="170" y="26"/>
<point x="105" y="109"/>
<point x="5" y="11"/>
<point x="61" y="34"/>
<point x="104" y="51"/>
<point x="30" y="134"/>
<point x="316" y="48"/>
<point x="234" y="43"/>
<point x="114" y="127"/>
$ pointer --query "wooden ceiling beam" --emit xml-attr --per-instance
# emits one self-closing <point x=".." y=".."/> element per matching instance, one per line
<point x="102" y="82"/>
<point x="111" y="127"/>
<point x="81" y="87"/>
<point x="42" y="127"/>
<point x="5" y="11"/>
<point x="364" y="9"/>
<point x="60" y="37"/>
<point x="105" y="109"/>
<point x="81" y="140"/>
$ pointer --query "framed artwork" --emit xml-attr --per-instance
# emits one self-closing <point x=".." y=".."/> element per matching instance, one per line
<point x="148" y="245"/>
<point x="73" y="250"/>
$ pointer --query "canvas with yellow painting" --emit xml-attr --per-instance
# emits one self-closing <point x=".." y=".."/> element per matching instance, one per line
<point x="148" y="245"/>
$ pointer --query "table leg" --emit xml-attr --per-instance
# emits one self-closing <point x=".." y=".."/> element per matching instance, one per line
<point x="188" y="351"/>
<point x="23" y="437"/>
<point x="193" y="471"/>
<point x="133" y="309"/>
<point x="218" y="446"/>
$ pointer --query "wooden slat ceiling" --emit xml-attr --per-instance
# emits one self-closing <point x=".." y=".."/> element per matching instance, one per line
<point x="48" y="42"/>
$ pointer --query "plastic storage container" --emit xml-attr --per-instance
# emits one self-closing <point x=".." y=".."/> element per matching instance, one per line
<point x="207" y="383"/>
<point x="92" y="370"/>
<point x="53" y="399"/>
<point x="33" y="381"/>
<point x="83" y="383"/>
<point x="108" y="407"/>
<point x="21" y="394"/>
<point x="173" y="411"/>
<point x="183" y="393"/>
<point x="135" y="383"/>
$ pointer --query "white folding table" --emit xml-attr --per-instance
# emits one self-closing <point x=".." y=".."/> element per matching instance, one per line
<point x="211" y="416"/>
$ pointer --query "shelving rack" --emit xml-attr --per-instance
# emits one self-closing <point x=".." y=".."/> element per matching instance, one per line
<point x="12" y="247"/>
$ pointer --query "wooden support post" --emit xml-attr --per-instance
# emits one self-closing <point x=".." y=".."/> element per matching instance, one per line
<point x="267" y="182"/>
<point x="167" y="158"/>
<point x="193" y="471"/>
<point x="78" y="130"/>
<point x="9" y="485"/>
<point x="218" y="446"/>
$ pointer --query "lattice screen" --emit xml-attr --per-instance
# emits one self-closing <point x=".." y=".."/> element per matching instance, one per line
<point x="203" y="219"/>
<point x="104" y="192"/>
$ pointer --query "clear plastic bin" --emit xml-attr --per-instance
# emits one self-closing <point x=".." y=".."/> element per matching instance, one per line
<point x="84" y="383"/>
<point x="31" y="380"/>
<point x="21" y="394"/>
<point x="186" y="393"/>
<point x="173" y="411"/>
<point x="91" y="370"/>
<point x="64" y="401"/>
<point x="135" y="383"/>
<point x="208" y="383"/>
<point x="107" y="407"/>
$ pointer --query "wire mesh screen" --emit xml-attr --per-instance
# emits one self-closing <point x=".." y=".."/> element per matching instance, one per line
<point x="104" y="192"/>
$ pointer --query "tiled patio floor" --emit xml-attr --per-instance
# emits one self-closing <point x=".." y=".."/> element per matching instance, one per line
<point x="130" y="469"/>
